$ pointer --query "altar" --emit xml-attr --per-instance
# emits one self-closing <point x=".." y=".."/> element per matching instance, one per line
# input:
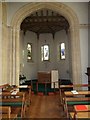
<point x="44" y="76"/>
<point x="49" y="77"/>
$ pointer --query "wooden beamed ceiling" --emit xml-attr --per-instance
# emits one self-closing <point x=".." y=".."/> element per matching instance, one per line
<point x="44" y="21"/>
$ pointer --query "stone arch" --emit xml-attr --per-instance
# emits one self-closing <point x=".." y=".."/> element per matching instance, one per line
<point x="62" y="9"/>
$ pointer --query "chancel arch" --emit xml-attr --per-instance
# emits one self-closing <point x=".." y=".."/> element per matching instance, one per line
<point x="61" y="9"/>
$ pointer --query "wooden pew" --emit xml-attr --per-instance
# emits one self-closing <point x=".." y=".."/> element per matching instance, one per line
<point x="80" y="115"/>
<point x="75" y="98"/>
<point x="76" y="93"/>
<point x="23" y="88"/>
<point x="13" y="100"/>
<point x="63" y="88"/>
<point x="5" y="112"/>
<point x="71" y="101"/>
<point x="5" y="86"/>
<point x="27" y="89"/>
<point x="81" y="111"/>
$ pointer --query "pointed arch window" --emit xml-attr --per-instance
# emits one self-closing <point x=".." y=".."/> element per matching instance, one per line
<point x="45" y="55"/>
<point x="62" y="51"/>
<point x="29" y="52"/>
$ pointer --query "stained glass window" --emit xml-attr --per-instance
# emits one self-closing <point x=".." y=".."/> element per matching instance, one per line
<point x="45" y="53"/>
<point x="62" y="50"/>
<point x="29" y="51"/>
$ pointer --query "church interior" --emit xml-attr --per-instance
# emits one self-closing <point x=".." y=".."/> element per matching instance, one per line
<point x="45" y="61"/>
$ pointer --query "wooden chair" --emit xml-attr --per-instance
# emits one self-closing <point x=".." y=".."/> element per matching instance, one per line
<point x="5" y="112"/>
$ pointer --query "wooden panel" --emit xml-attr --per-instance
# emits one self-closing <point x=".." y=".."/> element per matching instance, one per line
<point x="44" y="77"/>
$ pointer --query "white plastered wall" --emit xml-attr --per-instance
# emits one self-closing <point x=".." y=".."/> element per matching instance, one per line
<point x="30" y="69"/>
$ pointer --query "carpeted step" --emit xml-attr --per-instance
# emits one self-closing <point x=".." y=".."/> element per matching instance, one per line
<point x="40" y="93"/>
<point x="51" y="93"/>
